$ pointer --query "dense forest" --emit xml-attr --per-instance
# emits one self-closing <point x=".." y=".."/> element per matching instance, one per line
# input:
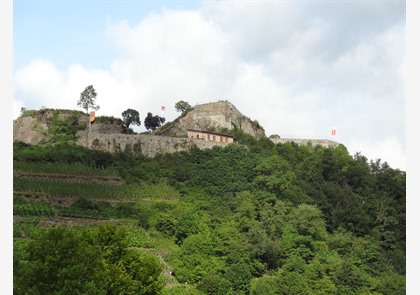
<point x="250" y="218"/>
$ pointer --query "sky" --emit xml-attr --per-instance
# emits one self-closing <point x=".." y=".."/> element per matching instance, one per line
<point x="300" y="68"/>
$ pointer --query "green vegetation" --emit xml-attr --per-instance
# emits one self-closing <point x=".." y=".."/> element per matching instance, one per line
<point x="182" y="106"/>
<point x="152" y="122"/>
<point x="254" y="218"/>
<point x="63" y="125"/>
<point x="130" y="117"/>
<point x="87" y="261"/>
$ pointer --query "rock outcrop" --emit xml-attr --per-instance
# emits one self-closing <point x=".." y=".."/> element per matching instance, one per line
<point x="29" y="130"/>
<point x="215" y="116"/>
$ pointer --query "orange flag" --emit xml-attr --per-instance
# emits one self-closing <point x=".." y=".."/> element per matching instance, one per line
<point x="92" y="116"/>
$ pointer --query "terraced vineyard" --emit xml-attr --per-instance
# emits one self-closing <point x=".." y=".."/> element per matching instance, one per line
<point x="51" y="190"/>
<point x="79" y="196"/>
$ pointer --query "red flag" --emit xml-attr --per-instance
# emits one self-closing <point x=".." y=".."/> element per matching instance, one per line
<point x="162" y="108"/>
<point x="333" y="131"/>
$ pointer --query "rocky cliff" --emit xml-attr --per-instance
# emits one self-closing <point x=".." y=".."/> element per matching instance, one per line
<point x="215" y="116"/>
<point x="34" y="127"/>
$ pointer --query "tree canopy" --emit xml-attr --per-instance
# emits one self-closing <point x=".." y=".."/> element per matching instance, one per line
<point x="87" y="99"/>
<point x="182" y="106"/>
<point x="70" y="261"/>
<point x="131" y="116"/>
<point x="153" y="122"/>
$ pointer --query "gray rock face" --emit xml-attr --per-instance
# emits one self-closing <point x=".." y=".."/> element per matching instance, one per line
<point x="215" y="116"/>
<point x="29" y="130"/>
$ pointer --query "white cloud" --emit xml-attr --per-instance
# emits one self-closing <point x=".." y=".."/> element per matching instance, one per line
<point x="296" y="68"/>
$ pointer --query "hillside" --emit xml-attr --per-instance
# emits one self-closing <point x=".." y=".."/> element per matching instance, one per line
<point x="255" y="218"/>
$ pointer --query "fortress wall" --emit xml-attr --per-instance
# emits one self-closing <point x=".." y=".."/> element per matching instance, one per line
<point x="214" y="109"/>
<point x="151" y="145"/>
<point x="303" y="141"/>
<point x="217" y="114"/>
<point x="148" y="145"/>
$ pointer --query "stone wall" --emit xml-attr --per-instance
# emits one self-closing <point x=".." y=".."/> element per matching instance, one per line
<point x="209" y="136"/>
<point x="304" y="141"/>
<point x="151" y="145"/>
<point x="148" y="145"/>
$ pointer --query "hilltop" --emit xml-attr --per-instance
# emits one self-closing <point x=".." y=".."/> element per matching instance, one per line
<point x="32" y="126"/>
<point x="215" y="116"/>
<point x="38" y="126"/>
<point x="110" y="134"/>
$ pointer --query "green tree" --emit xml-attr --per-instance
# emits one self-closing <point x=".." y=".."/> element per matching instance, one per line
<point x="144" y="271"/>
<point x="166" y="223"/>
<point x="127" y="270"/>
<point x="230" y="244"/>
<point x="263" y="286"/>
<point x="145" y="212"/>
<point x="215" y="285"/>
<point x="264" y="247"/>
<point x="274" y="174"/>
<point x="246" y="212"/>
<point x="391" y="283"/>
<point x="240" y="277"/>
<point x="188" y="224"/>
<point x="87" y="99"/>
<point x="182" y="106"/>
<point x="196" y="259"/>
<point x="61" y="261"/>
<point x="153" y="122"/>
<point x="182" y="289"/>
<point x="292" y="283"/>
<point x="112" y="241"/>
<point x="130" y="116"/>
<point x="348" y="278"/>
<point x="309" y="220"/>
